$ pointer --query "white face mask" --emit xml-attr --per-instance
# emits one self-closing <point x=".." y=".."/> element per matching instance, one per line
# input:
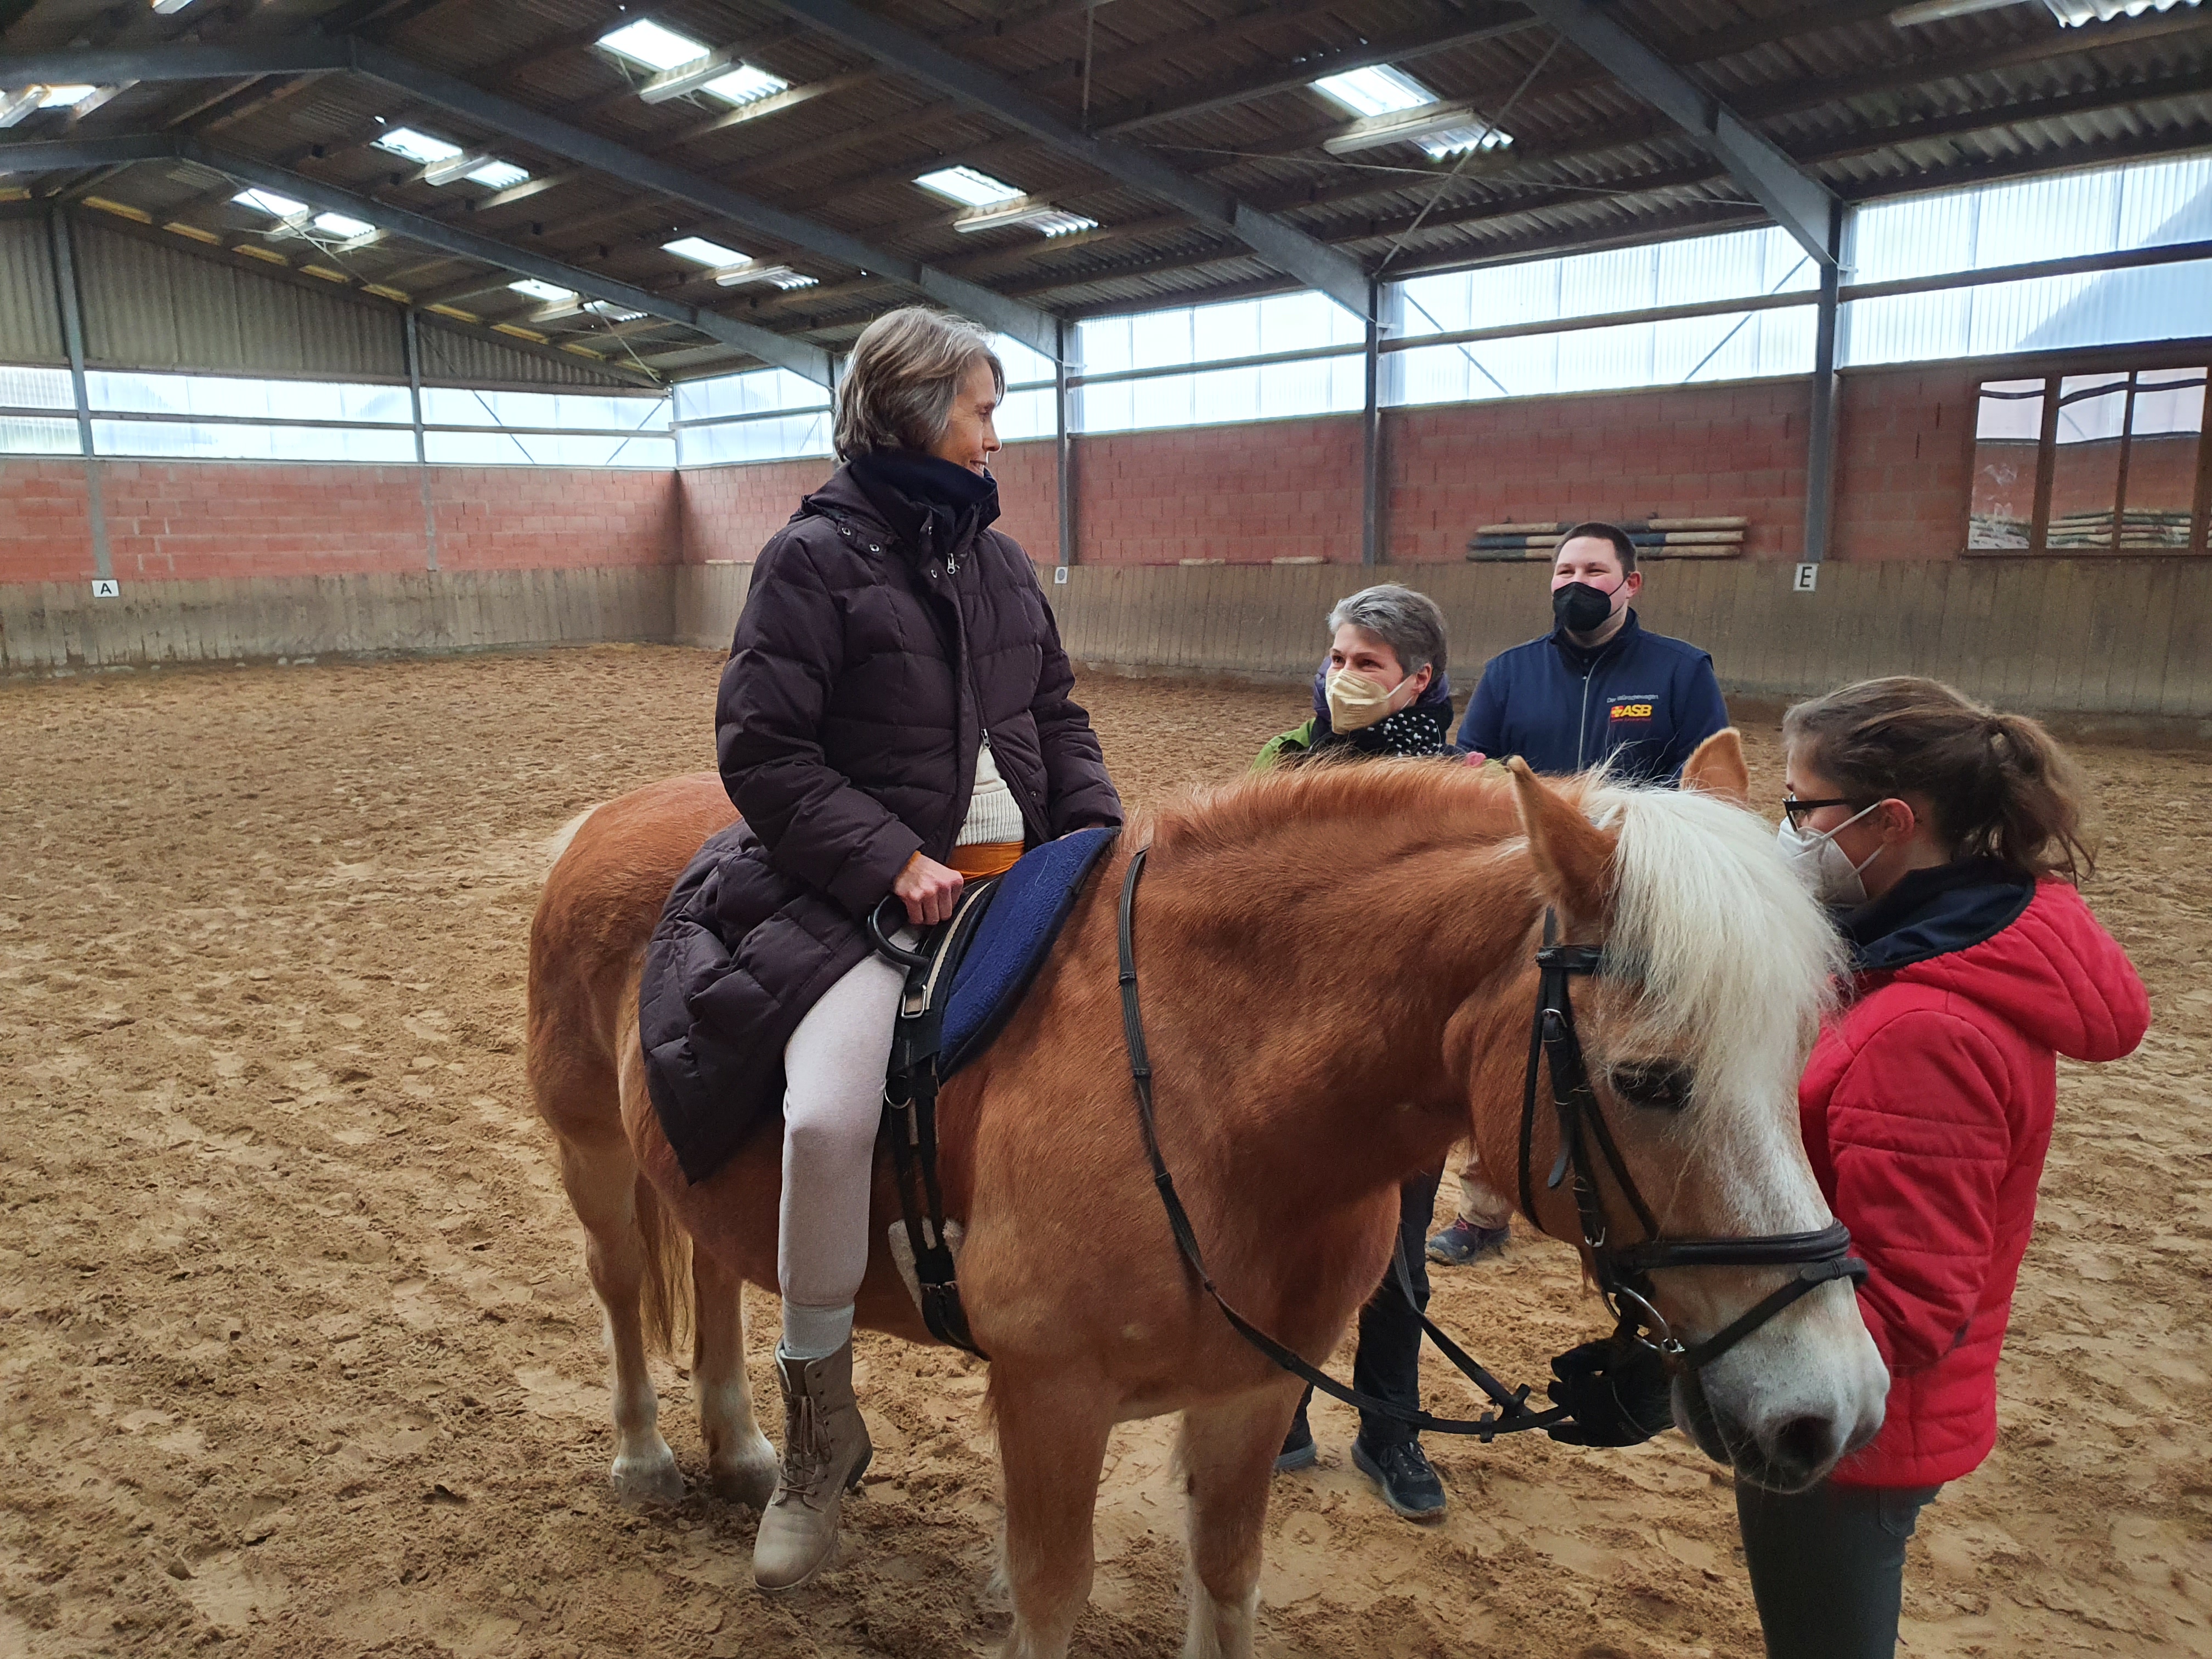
<point x="1824" y="867"/>
<point x="1356" y="703"/>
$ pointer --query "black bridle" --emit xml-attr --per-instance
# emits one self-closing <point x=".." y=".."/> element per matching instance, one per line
<point x="1622" y="1274"/>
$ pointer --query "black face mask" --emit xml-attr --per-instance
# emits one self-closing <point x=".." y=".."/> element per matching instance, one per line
<point x="1581" y="609"/>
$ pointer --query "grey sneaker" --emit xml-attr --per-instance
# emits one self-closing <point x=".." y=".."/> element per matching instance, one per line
<point x="1463" y="1241"/>
<point x="1402" y="1474"/>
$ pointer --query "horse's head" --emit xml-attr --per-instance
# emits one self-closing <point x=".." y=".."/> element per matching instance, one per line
<point x="1714" y="968"/>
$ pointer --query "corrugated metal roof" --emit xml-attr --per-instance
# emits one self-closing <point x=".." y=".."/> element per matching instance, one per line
<point x="30" y="322"/>
<point x="1212" y="87"/>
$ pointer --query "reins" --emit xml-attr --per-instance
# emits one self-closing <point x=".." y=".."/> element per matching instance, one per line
<point x="1622" y="1274"/>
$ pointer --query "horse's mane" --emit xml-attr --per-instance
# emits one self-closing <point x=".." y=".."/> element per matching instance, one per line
<point x="1736" y="962"/>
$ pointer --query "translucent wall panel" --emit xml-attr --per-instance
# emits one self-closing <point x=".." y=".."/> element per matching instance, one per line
<point x="1026" y="415"/>
<point x="280" y="400"/>
<point x="1198" y="334"/>
<point x="33" y="435"/>
<point x="1737" y="265"/>
<point x="2045" y="314"/>
<point x="1738" y="345"/>
<point x="758" y="391"/>
<point x="1321" y="385"/>
<point x="570" y="411"/>
<point x="779" y="438"/>
<point x="547" y="449"/>
<point x="185" y="440"/>
<point x="2149" y="204"/>
<point x="1024" y="366"/>
<point x="36" y="388"/>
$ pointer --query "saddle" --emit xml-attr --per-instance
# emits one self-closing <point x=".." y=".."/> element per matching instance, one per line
<point x="964" y="979"/>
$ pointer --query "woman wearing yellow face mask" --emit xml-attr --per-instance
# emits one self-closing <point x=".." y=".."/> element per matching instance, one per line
<point x="1382" y="691"/>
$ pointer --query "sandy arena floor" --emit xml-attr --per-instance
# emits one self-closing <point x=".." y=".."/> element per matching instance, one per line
<point x="299" y="1359"/>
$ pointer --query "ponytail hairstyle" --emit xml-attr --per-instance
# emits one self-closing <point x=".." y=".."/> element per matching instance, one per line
<point x="1998" y="785"/>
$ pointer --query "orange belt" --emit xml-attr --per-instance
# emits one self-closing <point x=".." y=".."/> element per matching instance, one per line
<point x="979" y="858"/>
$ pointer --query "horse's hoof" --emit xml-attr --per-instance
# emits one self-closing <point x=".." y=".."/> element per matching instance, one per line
<point x="748" y="1477"/>
<point x="647" y="1479"/>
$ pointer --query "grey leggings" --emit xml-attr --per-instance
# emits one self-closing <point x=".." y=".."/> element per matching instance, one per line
<point x="832" y="1101"/>
<point x="1827" y="1566"/>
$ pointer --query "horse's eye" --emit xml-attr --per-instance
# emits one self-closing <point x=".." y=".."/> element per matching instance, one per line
<point x="1660" y="1085"/>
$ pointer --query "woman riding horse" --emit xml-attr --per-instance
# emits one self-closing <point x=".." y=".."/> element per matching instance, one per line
<point x="894" y="720"/>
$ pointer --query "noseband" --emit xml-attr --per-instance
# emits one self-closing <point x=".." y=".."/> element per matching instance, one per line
<point x="1623" y="1272"/>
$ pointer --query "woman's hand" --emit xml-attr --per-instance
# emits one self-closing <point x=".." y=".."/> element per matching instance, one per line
<point x="928" y="890"/>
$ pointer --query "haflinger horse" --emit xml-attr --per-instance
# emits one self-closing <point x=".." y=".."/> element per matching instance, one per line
<point x="1338" y="985"/>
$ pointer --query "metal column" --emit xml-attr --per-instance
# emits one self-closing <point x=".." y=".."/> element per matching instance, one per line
<point x="1370" y="429"/>
<point x="422" y="449"/>
<point x="1820" y="442"/>
<point x="1064" y="451"/>
<point x="65" y="295"/>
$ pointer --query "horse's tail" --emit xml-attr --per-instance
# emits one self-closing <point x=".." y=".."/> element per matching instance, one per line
<point x="557" y="842"/>
<point x="665" y="1298"/>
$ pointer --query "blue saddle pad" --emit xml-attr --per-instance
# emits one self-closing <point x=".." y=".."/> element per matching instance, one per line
<point x="1012" y="941"/>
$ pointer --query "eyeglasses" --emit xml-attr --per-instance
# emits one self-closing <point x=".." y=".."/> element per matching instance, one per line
<point x="1796" y="809"/>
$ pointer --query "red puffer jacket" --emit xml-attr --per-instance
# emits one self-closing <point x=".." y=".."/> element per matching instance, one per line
<point x="1927" y="1111"/>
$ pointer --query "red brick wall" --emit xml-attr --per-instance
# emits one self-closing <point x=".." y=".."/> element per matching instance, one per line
<point x="185" y="521"/>
<point x="1029" y="497"/>
<point x="45" y="530"/>
<point x="1673" y="452"/>
<point x="1905" y="462"/>
<point x="1245" y="493"/>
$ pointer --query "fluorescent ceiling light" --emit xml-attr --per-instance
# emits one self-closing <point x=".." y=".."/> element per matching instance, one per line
<point x="1441" y="130"/>
<point x="269" y="201"/>
<point x="64" y="97"/>
<point x="752" y="270"/>
<point x="342" y="224"/>
<point x="746" y="85"/>
<point x="969" y="187"/>
<point x="702" y="252"/>
<point x="163" y="8"/>
<point x="550" y="292"/>
<point x="14" y="105"/>
<point x="1028" y="212"/>
<point x="500" y="175"/>
<point x="419" y="147"/>
<point x="1379" y="89"/>
<point x="645" y="42"/>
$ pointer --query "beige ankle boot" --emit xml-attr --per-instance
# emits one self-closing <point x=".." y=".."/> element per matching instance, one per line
<point x="825" y="1452"/>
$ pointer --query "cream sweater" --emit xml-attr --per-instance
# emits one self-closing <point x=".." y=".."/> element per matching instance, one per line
<point x="993" y="815"/>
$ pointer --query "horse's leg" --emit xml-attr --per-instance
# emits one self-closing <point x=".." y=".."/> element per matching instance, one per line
<point x="1228" y="1454"/>
<point x="602" y="1181"/>
<point x="739" y="1459"/>
<point x="1052" y="1445"/>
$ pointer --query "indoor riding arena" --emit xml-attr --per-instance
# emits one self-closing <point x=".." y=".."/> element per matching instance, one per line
<point x="395" y="396"/>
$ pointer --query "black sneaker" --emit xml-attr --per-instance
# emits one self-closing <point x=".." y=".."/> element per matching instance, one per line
<point x="1298" y="1450"/>
<point x="1402" y="1474"/>
<point x="1463" y="1241"/>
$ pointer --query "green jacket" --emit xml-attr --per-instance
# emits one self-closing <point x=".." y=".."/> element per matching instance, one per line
<point x="1283" y="746"/>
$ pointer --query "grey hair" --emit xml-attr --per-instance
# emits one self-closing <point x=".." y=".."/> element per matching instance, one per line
<point x="1411" y="624"/>
<point x="906" y="368"/>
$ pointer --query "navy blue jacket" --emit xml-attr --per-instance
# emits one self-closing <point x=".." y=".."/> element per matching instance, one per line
<point x="1642" y="699"/>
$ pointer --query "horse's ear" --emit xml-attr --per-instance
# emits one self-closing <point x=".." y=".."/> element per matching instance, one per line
<point x="1718" y="768"/>
<point x="1573" y="856"/>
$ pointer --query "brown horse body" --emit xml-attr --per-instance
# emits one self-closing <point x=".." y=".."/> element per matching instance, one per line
<point x="1336" y="971"/>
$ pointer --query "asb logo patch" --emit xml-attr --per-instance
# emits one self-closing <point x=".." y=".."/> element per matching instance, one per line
<point x="1631" y="711"/>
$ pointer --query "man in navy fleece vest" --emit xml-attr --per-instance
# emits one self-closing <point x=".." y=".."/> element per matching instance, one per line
<point x="1598" y="686"/>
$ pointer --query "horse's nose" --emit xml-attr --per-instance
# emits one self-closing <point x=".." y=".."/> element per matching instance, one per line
<point x="1801" y="1449"/>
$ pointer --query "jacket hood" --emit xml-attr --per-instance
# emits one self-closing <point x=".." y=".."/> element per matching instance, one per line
<point x="2053" y="973"/>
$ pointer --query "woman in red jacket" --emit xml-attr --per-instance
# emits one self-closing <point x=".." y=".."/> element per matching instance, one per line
<point x="1949" y="839"/>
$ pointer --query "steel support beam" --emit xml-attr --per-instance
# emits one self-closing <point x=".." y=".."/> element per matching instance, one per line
<point x="1063" y="392"/>
<point x="1280" y="244"/>
<point x="65" y="296"/>
<point x="414" y="345"/>
<point x="1795" y="200"/>
<point x="1370" y="431"/>
<point x="802" y="359"/>
<point x="1820" y="438"/>
<point x="1032" y="327"/>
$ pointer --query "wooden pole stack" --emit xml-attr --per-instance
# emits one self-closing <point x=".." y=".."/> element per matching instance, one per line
<point x="1718" y="537"/>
